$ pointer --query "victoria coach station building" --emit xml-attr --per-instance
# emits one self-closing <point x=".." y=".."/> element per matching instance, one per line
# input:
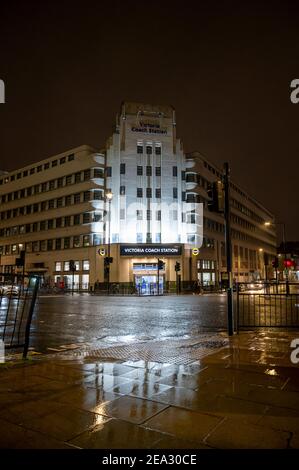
<point x="141" y="200"/>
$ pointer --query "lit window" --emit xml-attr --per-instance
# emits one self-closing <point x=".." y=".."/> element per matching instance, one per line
<point x="85" y="265"/>
<point x="66" y="266"/>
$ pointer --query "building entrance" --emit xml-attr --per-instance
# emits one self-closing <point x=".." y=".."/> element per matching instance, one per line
<point x="148" y="285"/>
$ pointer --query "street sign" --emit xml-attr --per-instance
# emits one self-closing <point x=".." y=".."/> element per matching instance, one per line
<point x="102" y="251"/>
<point x="195" y="251"/>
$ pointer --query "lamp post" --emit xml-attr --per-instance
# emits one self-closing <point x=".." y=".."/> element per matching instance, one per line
<point x="267" y="224"/>
<point x="109" y="196"/>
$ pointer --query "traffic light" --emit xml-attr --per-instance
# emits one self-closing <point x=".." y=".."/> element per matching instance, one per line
<point x="177" y="266"/>
<point x="216" y="196"/>
<point x="160" y="264"/>
<point x="108" y="260"/>
<point x="275" y="263"/>
<point x="72" y="265"/>
<point x="288" y="263"/>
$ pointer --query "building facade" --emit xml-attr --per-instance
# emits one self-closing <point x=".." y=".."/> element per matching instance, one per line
<point x="57" y="210"/>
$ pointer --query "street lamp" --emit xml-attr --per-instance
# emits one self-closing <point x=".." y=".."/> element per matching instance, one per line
<point x="283" y="225"/>
<point x="109" y="196"/>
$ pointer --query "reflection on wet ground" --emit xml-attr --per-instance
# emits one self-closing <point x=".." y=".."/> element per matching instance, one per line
<point x="245" y="395"/>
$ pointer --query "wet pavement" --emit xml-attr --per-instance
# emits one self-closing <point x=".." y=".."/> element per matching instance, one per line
<point x="65" y="319"/>
<point x="244" y="395"/>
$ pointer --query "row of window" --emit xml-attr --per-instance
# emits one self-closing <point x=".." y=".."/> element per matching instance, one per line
<point x="148" y="170"/>
<point x="59" y="222"/>
<point x="149" y="148"/>
<point x="149" y="192"/>
<point x="65" y="265"/>
<point x="65" y="243"/>
<point x="37" y="169"/>
<point x="57" y="203"/>
<point x="51" y="185"/>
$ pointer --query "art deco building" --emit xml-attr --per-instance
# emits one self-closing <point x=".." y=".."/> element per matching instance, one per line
<point x="56" y="210"/>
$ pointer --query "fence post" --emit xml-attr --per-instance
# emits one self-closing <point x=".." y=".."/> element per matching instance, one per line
<point x="237" y="312"/>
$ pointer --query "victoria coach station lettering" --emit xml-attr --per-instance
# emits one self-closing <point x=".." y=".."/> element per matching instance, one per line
<point x="149" y="128"/>
<point x="127" y="250"/>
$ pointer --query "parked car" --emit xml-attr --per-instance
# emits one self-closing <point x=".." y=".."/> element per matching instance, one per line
<point x="9" y="290"/>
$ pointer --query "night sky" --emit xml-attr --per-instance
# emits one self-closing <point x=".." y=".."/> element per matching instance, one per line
<point x="225" y="67"/>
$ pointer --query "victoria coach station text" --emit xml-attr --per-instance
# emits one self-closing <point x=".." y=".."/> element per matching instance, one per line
<point x="150" y="250"/>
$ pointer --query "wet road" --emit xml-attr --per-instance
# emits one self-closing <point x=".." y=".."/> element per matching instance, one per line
<point x="61" y="320"/>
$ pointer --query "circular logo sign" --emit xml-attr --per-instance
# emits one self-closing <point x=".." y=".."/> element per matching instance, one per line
<point x="102" y="251"/>
<point x="195" y="251"/>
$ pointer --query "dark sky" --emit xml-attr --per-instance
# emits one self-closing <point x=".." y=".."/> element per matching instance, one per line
<point x="225" y="66"/>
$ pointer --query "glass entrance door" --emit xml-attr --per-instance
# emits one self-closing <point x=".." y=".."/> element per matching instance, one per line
<point x="148" y="285"/>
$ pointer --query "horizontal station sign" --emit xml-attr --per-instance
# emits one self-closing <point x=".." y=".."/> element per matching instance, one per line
<point x="150" y="250"/>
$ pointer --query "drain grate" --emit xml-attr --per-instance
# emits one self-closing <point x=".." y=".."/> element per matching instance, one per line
<point x="172" y="352"/>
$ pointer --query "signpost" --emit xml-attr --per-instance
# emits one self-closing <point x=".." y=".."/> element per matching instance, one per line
<point x="72" y="269"/>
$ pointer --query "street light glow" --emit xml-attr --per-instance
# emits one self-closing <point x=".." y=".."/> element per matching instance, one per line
<point x="109" y="195"/>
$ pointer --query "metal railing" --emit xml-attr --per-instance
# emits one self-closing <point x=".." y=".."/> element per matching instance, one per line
<point x="267" y="305"/>
<point x="17" y="301"/>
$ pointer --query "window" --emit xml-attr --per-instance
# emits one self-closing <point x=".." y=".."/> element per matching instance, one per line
<point x="54" y="163"/>
<point x="148" y="192"/>
<point x="148" y="237"/>
<point x="77" y="219"/>
<point x="148" y="171"/>
<point x="139" y="147"/>
<point x="9" y="197"/>
<point x="66" y="243"/>
<point x="77" y="198"/>
<point x="139" y="214"/>
<point x="32" y="171"/>
<point x="46" y="166"/>
<point x="76" y="241"/>
<point x="35" y="207"/>
<point x="158" y="171"/>
<point x="77" y="177"/>
<point x="69" y="179"/>
<point x="85" y="265"/>
<point x="86" y="175"/>
<point x="68" y="200"/>
<point x="158" y="215"/>
<point x="71" y="157"/>
<point x="59" y="202"/>
<point x="28" y="211"/>
<point x="62" y="160"/>
<point x="148" y="215"/>
<point x="13" y="177"/>
<point x="98" y="173"/>
<point x="86" y="196"/>
<point x="97" y="217"/>
<point x="175" y="214"/>
<point x="22" y="193"/>
<point x="139" y="170"/>
<point x="158" y="193"/>
<point x="42" y="225"/>
<point x="66" y="266"/>
<point x="175" y="193"/>
<point x="35" y="246"/>
<point x="108" y="171"/>
<point x="149" y="149"/>
<point x="97" y="239"/>
<point x="174" y="171"/>
<point x="29" y="192"/>
<point x="183" y="195"/>
<point x="59" y="222"/>
<point x="67" y="221"/>
<point x="39" y="168"/>
<point x="86" y="217"/>
<point x="98" y="195"/>
<point x="36" y="189"/>
<point x="50" y="224"/>
<point x="158" y="238"/>
<point x="122" y="168"/>
<point x="86" y="240"/>
<point x="60" y="182"/>
<point x="58" y="244"/>
<point x="19" y="175"/>
<point x="190" y="238"/>
<point x="139" y="192"/>
<point x="183" y="175"/>
<point x="139" y="237"/>
<point x="43" y="205"/>
<point x="122" y="214"/>
<point x="58" y="266"/>
<point x="52" y="185"/>
<point x="158" y="150"/>
<point x="16" y="194"/>
<point x="51" y="204"/>
<point x="43" y="245"/>
<point x="122" y="190"/>
<point x="22" y="228"/>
